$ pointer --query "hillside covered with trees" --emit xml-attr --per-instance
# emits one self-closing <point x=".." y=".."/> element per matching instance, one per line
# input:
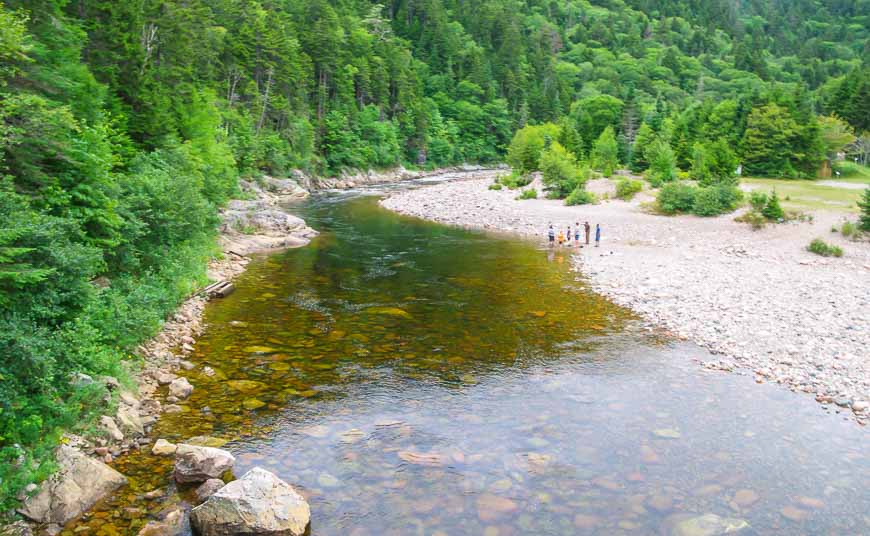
<point x="125" y="126"/>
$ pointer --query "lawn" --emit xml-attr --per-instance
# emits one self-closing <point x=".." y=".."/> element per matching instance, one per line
<point x="813" y="195"/>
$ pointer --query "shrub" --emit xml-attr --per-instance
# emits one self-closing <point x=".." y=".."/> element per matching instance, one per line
<point x="753" y="218"/>
<point x="531" y="193"/>
<point x="516" y="180"/>
<point x="758" y="200"/>
<point x="820" y="247"/>
<point x="495" y="186"/>
<point x="849" y="229"/>
<point x="676" y="197"/>
<point x="627" y="188"/>
<point x="772" y="210"/>
<point x="715" y="200"/>
<point x="864" y="205"/>
<point x="580" y="196"/>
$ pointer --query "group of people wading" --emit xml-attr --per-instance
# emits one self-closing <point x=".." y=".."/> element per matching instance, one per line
<point x="564" y="236"/>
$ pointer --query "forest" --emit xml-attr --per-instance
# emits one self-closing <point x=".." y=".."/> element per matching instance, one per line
<point x="125" y="126"/>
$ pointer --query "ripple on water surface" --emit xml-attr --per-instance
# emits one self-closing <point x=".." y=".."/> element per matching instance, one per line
<point x="409" y="378"/>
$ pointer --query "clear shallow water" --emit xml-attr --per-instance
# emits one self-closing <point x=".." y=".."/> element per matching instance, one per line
<point x="411" y="378"/>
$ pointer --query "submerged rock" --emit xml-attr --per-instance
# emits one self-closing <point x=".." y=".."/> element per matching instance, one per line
<point x="198" y="464"/>
<point x="180" y="388"/>
<point x="389" y="311"/>
<point x="78" y="484"/>
<point x="257" y="503"/>
<point x="703" y="525"/>
<point x="163" y="448"/>
<point x="208" y="488"/>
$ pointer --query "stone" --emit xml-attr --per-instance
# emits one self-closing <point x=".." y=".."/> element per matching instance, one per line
<point x="78" y="484"/>
<point x="491" y="507"/>
<point x="128" y="398"/>
<point x="198" y="464"/>
<point x="703" y="525"/>
<point x="252" y="404"/>
<point x="208" y="488"/>
<point x="667" y="433"/>
<point x="172" y="524"/>
<point x="163" y="377"/>
<point x="129" y="420"/>
<point x="19" y="528"/>
<point x="793" y="513"/>
<point x="745" y="497"/>
<point x="163" y="448"/>
<point x="180" y="388"/>
<point x="207" y="441"/>
<point x="111" y="428"/>
<point x="257" y="503"/>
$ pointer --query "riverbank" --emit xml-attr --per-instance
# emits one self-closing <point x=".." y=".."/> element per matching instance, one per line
<point x="756" y="299"/>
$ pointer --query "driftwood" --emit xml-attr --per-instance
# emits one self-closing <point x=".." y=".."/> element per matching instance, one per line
<point x="221" y="289"/>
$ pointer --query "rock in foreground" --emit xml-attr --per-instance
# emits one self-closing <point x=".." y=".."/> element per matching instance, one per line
<point x="79" y="483"/>
<point x="198" y="464"/>
<point x="703" y="525"/>
<point x="259" y="503"/>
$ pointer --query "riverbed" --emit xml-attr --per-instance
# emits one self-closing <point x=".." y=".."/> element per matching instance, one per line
<point x="413" y="378"/>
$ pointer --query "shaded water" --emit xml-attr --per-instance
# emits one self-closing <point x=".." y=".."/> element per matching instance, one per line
<point x="410" y="378"/>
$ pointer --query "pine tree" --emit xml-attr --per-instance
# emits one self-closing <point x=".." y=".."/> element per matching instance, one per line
<point x="605" y="153"/>
<point x="864" y="205"/>
<point x="772" y="210"/>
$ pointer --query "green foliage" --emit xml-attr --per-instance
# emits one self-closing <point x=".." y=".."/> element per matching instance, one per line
<point x="777" y="144"/>
<point x="580" y="196"/>
<point x="714" y="163"/>
<point x="754" y="218"/>
<point x="715" y="200"/>
<point x="560" y="172"/>
<point x="627" y="188"/>
<point x="676" y="197"/>
<point x="516" y="180"/>
<point x="645" y="137"/>
<point x="662" y="163"/>
<point x="531" y="193"/>
<point x="605" y="153"/>
<point x="849" y="229"/>
<point x="772" y="210"/>
<point x="864" y="205"/>
<point x="495" y="186"/>
<point x="820" y="247"/>
<point x="527" y="146"/>
<point x="758" y="200"/>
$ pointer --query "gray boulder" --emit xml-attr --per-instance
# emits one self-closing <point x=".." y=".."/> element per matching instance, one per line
<point x="79" y="483"/>
<point x="208" y="488"/>
<point x="259" y="503"/>
<point x="198" y="464"/>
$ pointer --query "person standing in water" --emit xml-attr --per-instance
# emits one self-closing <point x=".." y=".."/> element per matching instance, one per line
<point x="577" y="234"/>
<point x="568" y="235"/>
<point x="551" y="233"/>
<point x="561" y="237"/>
<point x="586" y="228"/>
<point x="597" y="234"/>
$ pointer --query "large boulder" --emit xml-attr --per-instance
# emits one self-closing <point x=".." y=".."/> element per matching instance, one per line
<point x="78" y="484"/>
<point x="197" y="464"/>
<point x="259" y="503"/>
<point x="180" y="388"/>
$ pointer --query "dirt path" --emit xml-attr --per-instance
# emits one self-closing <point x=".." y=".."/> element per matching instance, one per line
<point x="756" y="299"/>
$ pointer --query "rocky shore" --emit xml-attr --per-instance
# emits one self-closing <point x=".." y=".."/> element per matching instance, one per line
<point x="757" y="300"/>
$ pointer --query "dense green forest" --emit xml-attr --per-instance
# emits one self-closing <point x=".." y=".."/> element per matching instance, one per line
<point x="125" y="125"/>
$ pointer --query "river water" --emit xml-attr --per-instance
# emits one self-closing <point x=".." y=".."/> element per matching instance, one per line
<point x="414" y="379"/>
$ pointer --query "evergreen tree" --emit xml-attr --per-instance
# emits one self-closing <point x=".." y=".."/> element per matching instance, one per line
<point x="864" y="205"/>
<point x="605" y="153"/>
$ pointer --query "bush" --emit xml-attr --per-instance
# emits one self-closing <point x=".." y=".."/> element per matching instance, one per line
<point x="715" y="200"/>
<point x="531" y="193"/>
<point x="849" y="229"/>
<point x="676" y="197"/>
<point x="820" y="247"/>
<point x="753" y="218"/>
<point x="758" y="200"/>
<point x="580" y="196"/>
<point x="495" y="186"/>
<point x="516" y="180"/>
<point x="772" y="210"/>
<point x="627" y="188"/>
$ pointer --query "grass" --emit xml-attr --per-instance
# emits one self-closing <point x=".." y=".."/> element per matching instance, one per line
<point x="820" y="247"/>
<point x="811" y="195"/>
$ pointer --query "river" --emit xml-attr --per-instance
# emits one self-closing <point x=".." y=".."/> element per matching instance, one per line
<point x="411" y="378"/>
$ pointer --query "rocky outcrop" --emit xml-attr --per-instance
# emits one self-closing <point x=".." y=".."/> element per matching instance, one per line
<point x="197" y="464"/>
<point x="78" y="484"/>
<point x="258" y="503"/>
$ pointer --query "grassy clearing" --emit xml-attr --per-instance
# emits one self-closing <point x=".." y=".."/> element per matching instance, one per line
<point x="811" y="195"/>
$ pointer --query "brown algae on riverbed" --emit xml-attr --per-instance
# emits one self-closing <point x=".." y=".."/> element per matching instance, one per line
<point x="415" y="379"/>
